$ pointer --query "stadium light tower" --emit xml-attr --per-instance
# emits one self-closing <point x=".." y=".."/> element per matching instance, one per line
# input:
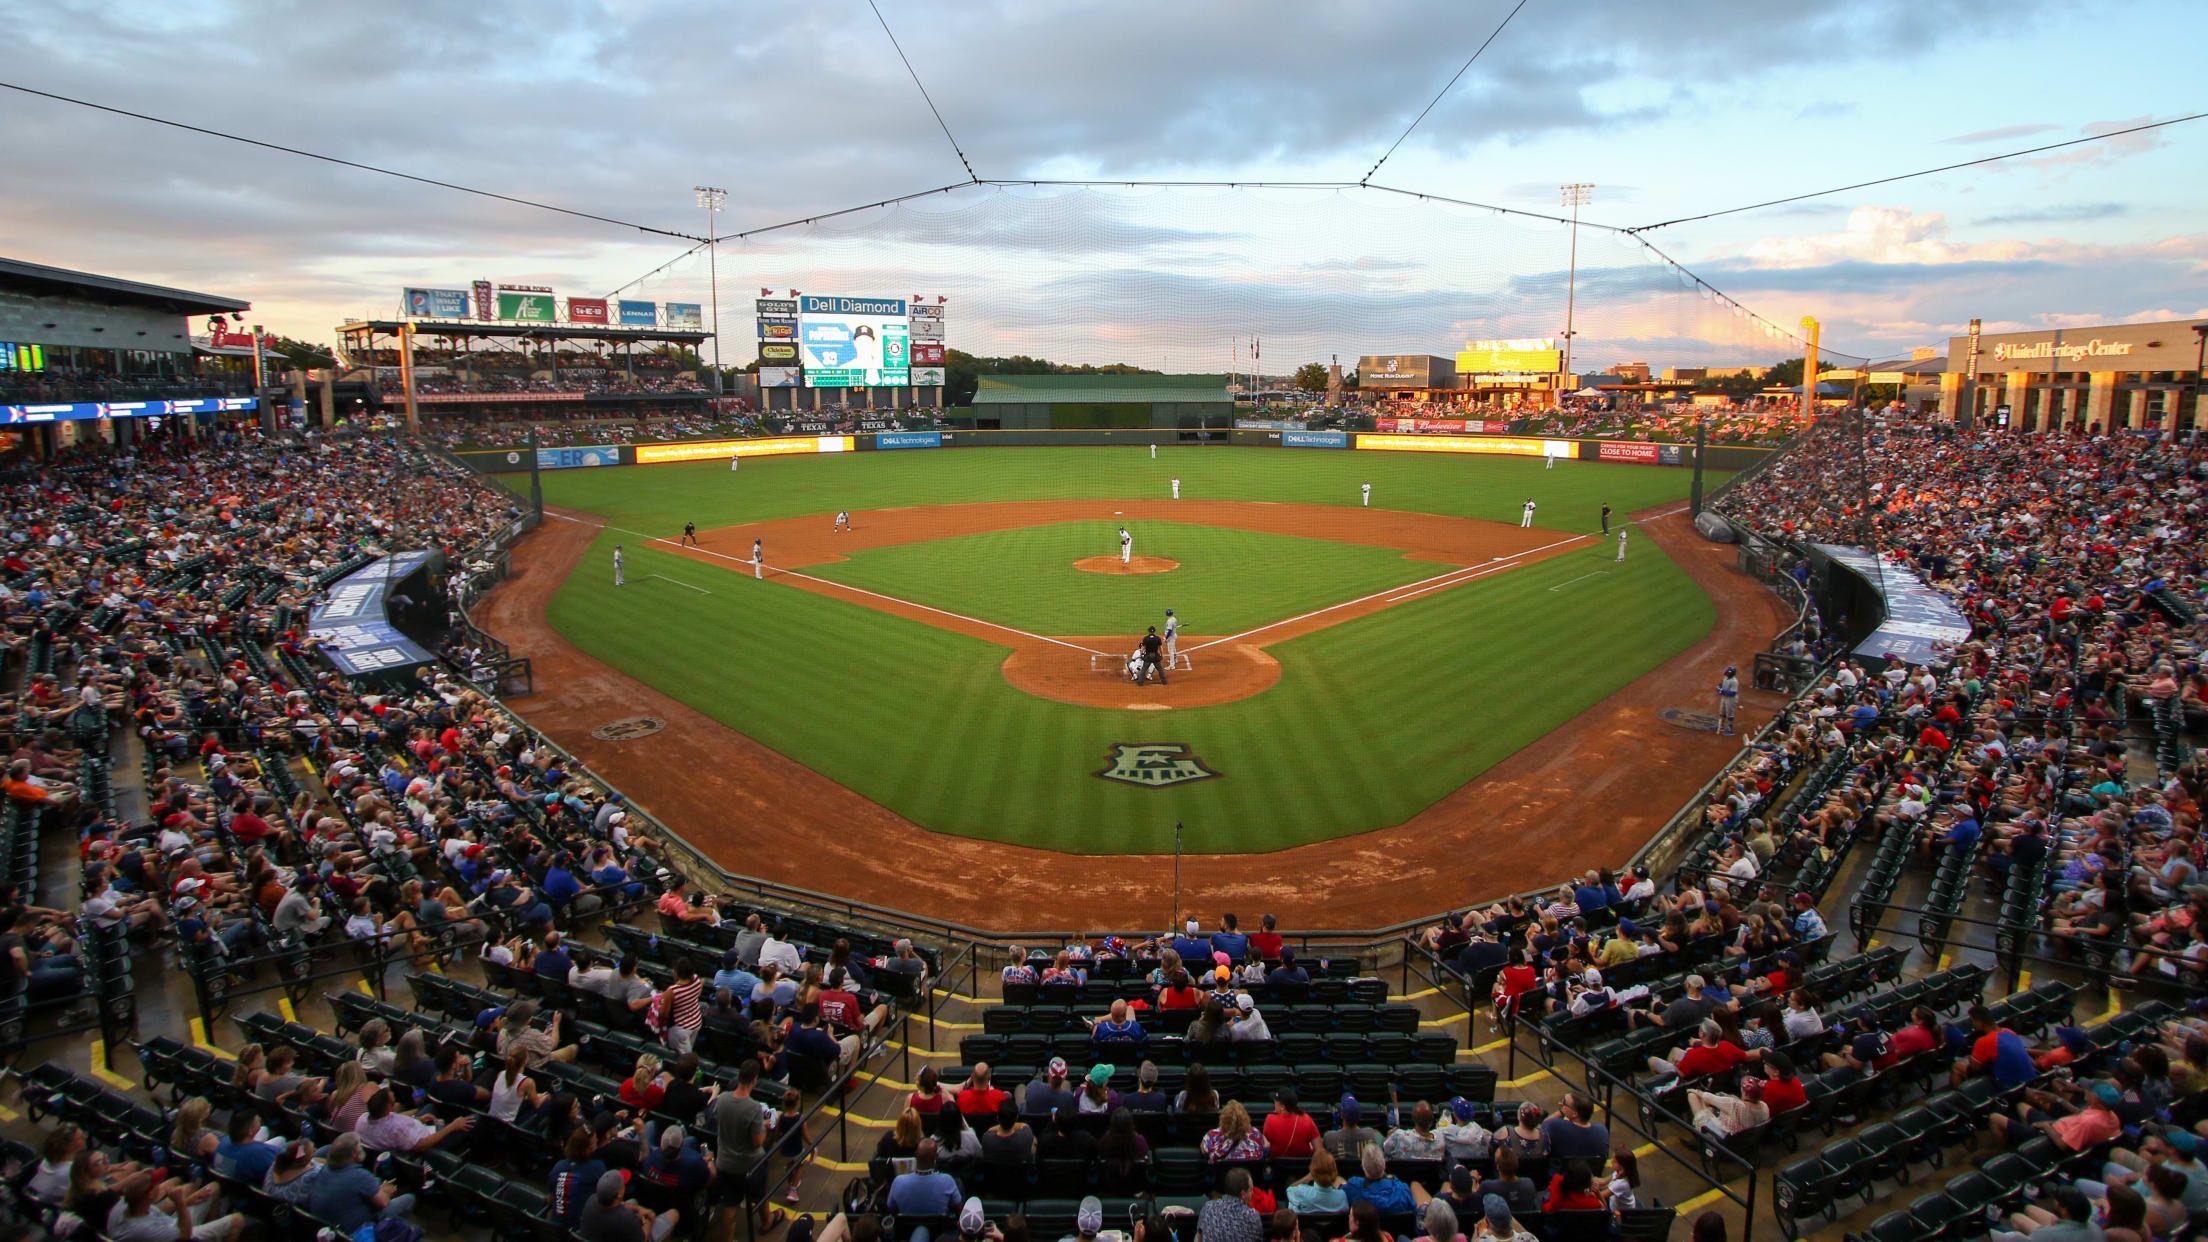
<point x="711" y="197"/>
<point x="1575" y="195"/>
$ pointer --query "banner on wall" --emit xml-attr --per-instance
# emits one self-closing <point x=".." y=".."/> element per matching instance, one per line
<point x="1315" y="439"/>
<point x="785" y="307"/>
<point x="778" y="377"/>
<point x="685" y="315"/>
<point x="578" y="458"/>
<point x="927" y="354"/>
<point x="639" y="314"/>
<point x="782" y="351"/>
<point x="1507" y="446"/>
<point x="587" y="310"/>
<point x="778" y="330"/>
<point x="1270" y="424"/>
<point x="722" y="450"/>
<point x="909" y="440"/>
<point x="437" y="303"/>
<point x="1441" y="426"/>
<point x="1645" y="453"/>
<point x="525" y="307"/>
<point x="927" y="377"/>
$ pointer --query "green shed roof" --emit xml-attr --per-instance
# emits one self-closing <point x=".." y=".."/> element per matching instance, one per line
<point x="1099" y="389"/>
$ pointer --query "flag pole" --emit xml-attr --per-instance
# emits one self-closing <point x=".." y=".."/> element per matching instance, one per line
<point x="1176" y="924"/>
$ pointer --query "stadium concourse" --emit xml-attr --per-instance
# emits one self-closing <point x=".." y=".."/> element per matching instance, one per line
<point x="267" y="931"/>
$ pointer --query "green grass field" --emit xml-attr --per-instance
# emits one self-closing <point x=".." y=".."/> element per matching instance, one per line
<point x="1372" y="721"/>
<point x="1228" y="580"/>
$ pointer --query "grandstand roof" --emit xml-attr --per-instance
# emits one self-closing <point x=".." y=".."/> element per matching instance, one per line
<point x="43" y="281"/>
<point x="538" y="331"/>
<point x="1099" y="389"/>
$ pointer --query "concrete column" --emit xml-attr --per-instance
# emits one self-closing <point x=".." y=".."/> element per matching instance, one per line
<point x="327" y="391"/>
<point x="2171" y="399"/>
<point x="1951" y="395"/>
<point x="2013" y="385"/>
<point x="2100" y="401"/>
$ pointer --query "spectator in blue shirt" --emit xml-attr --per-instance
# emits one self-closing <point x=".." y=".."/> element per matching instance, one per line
<point x="552" y="961"/>
<point x="1229" y="939"/>
<point x="924" y="1192"/>
<point x="241" y="1156"/>
<point x="562" y="889"/>
<point x="1192" y="945"/>
<point x="734" y="979"/>
<point x="1590" y="895"/>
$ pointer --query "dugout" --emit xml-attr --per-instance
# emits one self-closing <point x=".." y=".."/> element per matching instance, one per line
<point x="1062" y="402"/>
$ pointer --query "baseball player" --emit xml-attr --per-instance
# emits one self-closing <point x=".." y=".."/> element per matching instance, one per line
<point x="1606" y="517"/>
<point x="1153" y="452"/>
<point x="734" y="462"/>
<point x="690" y="535"/>
<point x="1623" y="531"/>
<point x="618" y="580"/>
<point x="1526" y="522"/>
<point x="1550" y="458"/>
<point x="1176" y="489"/>
<point x="1151" y="644"/>
<point x="843" y="522"/>
<point x="1172" y="637"/>
<point x="1126" y="547"/>
<point x="758" y="558"/>
<point x="1728" y="697"/>
<point x="1366" y="488"/>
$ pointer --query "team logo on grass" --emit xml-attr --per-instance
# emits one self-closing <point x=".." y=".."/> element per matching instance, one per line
<point x="1155" y="765"/>
<point x="628" y="729"/>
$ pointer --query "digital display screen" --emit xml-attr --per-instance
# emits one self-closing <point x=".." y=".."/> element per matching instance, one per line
<point x="854" y="342"/>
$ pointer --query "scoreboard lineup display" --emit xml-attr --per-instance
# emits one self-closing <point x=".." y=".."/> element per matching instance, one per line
<point x="846" y="342"/>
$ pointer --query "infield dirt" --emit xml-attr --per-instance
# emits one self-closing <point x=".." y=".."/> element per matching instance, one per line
<point x="1586" y="794"/>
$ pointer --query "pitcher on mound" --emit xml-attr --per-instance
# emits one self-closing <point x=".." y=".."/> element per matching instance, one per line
<point x="1126" y="547"/>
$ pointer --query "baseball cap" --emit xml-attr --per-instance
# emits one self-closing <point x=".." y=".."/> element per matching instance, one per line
<point x="1223" y="974"/>
<point x="2106" y="1093"/>
<point x="970" y="1218"/>
<point x="1057" y="1067"/>
<point x="1460" y="1178"/>
<point x="609" y="1186"/>
<point x="1090" y="1218"/>
<point x="1100" y="1073"/>
<point x="488" y="1016"/>
<point x="1245" y="1002"/>
<point x="1461" y="1109"/>
<point x="1350" y="1109"/>
<point x="1497" y="1212"/>
<point x="1221" y="957"/>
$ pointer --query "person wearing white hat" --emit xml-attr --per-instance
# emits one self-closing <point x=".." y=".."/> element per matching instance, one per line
<point x="1249" y="1025"/>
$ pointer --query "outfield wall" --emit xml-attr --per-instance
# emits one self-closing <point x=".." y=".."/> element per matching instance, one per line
<point x="579" y="457"/>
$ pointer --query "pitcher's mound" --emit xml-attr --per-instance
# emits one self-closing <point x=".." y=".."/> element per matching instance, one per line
<point x="1113" y="565"/>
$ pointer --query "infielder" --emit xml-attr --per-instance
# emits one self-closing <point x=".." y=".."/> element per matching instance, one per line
<point x="758" y="558"/>
<point x="1366" y="488"/>
<point x="1176" y="489"/>
<point x="1623" y="531"/>
<point x="843" y="522"/>
<point x="1126" y="547"/>
<point x="618" y="580"/>
<point x="1526" y="522"/>
<point x="1172" y="637"/>
<point x="1728" y="697"/>
<point x="690" y="535"/>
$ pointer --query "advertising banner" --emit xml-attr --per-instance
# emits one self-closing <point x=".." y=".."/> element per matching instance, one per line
<point x="927" y="377"/>
<point x="525" y="307"/>
<point x="722" y="450"/>
<point x="928" y="330"/>
<point x="909" y="440"/>
<point x="786" y="307"/>
<point x="1645" y="453"/>
<point x="486" y="305"/>
<point x="578" y="458"/>
<point x="779" y="377"/>
<point x="1270" y="424"/>
<point x="587" y="310"/>
<point x="685" y="315"/>
<point x="1509" y="446"/>
<point x="855" y="342"/>
<point x="813" y="425"/>
<point x="927" y="355"/>
<point x="1919" y="620"/>
<point x="778" y="329"/>
<point x="785" y="352"/>
<point x="1526" y="356"/>
<point x="876" y="424"/>
<point x="437" y="303"/>
<point x="927" y="312"/>
<point x="638" y="314"/>
<point x="72" y="411"/>
<point x="1671" y="455"/>
<point x="1316" y="439"/>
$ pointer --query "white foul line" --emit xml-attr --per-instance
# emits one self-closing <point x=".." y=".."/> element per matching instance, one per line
<point x="679" y="582"/>
<point x="1582" y="578"/>
<point x="840" y="586"/>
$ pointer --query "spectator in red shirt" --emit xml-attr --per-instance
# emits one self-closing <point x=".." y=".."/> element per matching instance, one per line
<point x="1266" y="944"/>
<point x="1290" y="1132"/>
<point x="1710" y="1053"/>
<point x="978" y="1098"/>
<point x="1783" y="1091"/>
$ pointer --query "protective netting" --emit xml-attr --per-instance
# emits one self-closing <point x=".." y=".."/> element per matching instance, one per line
<point x="1182" y="278"/>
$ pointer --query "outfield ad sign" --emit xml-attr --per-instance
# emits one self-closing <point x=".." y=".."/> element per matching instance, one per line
<point x="722" y="450"/>
<point x="685" y="315"/>
<point x="778" y="329"/>
<point x="926" y="312"/>
<point x="784" y="352"/>
<point x="1507" y="446"/>
<point x="639" y="314"/>
<point x="777" y="377"/>
<point x="929" y="354"/>
<point x="909" y="440"/>
<point x="525" y="307"/>
<point x="587" y="310"/>
<point x="578" y="458"/>
<point x="785" y="307"/>
<point x="437" y="303"/>
<point x="73" y="411"/>
<point x="927" y="377"/>
<point x="1269" y="424"/>
<point x="854" y="342"/>
<point x="1315" y="439"/>
<point x="1441" y="426"/>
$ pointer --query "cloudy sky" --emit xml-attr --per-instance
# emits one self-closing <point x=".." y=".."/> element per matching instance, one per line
<point x="620" y="108"/>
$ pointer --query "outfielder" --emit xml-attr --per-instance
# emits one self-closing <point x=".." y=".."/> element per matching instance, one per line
<point x="618" y="580"/>
<point x="734" y="462"/>
<point x="1549" y="458"/>
<point x="1126" y="547"/>
<point x="1153" y="452"/>
<point x="1526" y="522"/>
<point x="843" y="522"/>
<point x="1366" y="488"/>
<point x="1728" y="697"/>
<point x="1623" y="531"/>
<point x="1172" y="637"/>
<point x="1176" y="489"/>
<point x="758" y="558"/>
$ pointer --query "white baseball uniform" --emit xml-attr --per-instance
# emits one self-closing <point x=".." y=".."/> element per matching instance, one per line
<point x="758" y="558"/>
<point x="1172" y="638"/>
<point x="1622" y="532"/>
<point x="1153" y="452"/>
<point x="1551" y="459"/>
<point x="734" y="462"/>
<point x="1366" y="488"/>
<point x="1176" y="489"/>
<point x="617" y="578"/>
<point x="843" y="520"/>
<point x="1126" y="547"/>
<point x="1526" y="522"/>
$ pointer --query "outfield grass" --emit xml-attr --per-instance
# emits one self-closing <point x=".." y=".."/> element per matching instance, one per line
<point x="659" y="499"/>
<point x="1228" y="581"/>
<point x="1372" y="721"/>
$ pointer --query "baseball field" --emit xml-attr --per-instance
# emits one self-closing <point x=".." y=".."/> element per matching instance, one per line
<point x="957" y="657"/>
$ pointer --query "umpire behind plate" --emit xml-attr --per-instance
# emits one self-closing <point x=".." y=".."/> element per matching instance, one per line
<point x="1151" y="645"/>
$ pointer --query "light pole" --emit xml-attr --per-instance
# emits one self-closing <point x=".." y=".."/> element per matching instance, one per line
<point x="711" y="197"/>
<point x="1575" y="195"/>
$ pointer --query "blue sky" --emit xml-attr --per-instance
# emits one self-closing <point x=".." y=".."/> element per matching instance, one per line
<point x="620" y="108"/>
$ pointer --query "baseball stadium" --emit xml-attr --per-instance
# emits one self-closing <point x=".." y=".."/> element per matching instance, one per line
<point x="1134" y="696"/>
